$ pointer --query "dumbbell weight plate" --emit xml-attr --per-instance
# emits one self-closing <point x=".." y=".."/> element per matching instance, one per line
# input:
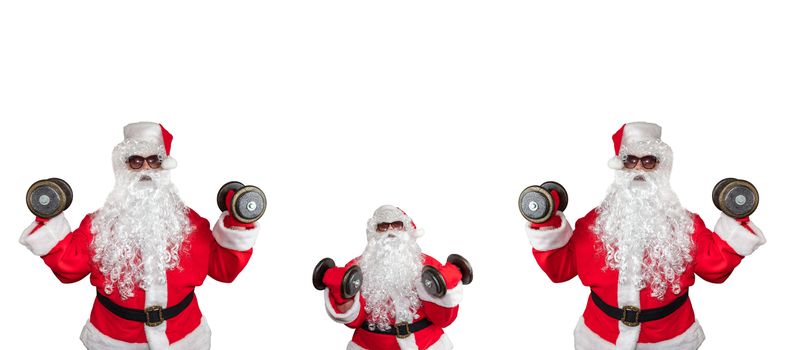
<point x="467" y="274"/>
<point x="221" y="198"/>
<point x="248" y="204"/>
<point x="352" y="282"/>
<point x="433" y="281"/>
<point x="536" y="204"/>
<point x="69" y="193"/>
<point x="715" y="193"/>
<point x="46" y="199"/>
<point x="318" y="273"/>
<point x="738" y="199"/>
<point x="560" y="190"/>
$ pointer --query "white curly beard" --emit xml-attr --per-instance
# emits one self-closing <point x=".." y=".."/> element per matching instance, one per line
<point x="140" y="231"/>
<point x="642" y="224"/>
<point x="391" y="266"/>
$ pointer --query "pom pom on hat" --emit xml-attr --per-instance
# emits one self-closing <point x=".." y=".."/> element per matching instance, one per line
<point x="169" y="163"/>
<point x="615" y="163"/>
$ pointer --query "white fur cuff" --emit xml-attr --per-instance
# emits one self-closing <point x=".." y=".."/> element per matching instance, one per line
<point x="45" y="238"/>
<point x="346" y="317"/>
<point x="738" y="237"/>
<point x="240" y="240"/>
<point x="452" y="298"/>
<point x="544" y="240"/>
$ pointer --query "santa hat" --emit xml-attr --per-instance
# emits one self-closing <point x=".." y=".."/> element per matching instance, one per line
<point x="153" y="133"/>
<point x="391" y="213"/>
<point x="632" y="133"/>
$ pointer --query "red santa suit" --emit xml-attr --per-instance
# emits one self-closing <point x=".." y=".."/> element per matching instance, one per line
<point x="441" y="312"/>
<point x="564" y="253"/>
<point x="220" y="253"/>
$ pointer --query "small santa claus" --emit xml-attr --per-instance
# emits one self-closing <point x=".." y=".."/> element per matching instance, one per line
<point x="403" y="298"/>
<point x="144" y="250"/>
<point x="640" y="251"/>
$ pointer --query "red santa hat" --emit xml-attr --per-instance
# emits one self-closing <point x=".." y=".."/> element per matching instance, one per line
<point x="630" y="134"/>
<point x="155" y="134"/>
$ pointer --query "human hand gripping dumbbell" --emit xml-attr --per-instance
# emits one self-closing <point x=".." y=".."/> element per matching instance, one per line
<point x="245" y="204"/>
<point x="438" y="279"/>
<point x="539" y="204"/>
<point x="736" y="198"/>
<point x="343" y="283"/>
<point x="49" y="197"/>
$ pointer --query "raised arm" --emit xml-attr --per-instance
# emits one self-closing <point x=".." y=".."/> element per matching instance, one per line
<point x="66" y="253"/>
<point x="718" y="253"/>
<point x="552" y="247"/>
<point x="232" y="248"/>
<point x="442" y="311"/>
<point x="347" y="311"/>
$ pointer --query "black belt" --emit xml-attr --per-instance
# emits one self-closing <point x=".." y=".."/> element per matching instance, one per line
<point x="151" y="316"/>
<point x="400" y="330"/>
<point x="632" y="316"/>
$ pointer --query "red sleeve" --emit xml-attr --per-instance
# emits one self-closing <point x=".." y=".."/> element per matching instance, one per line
<point x="70" y="258"/>
<point x="559" y="262"/>
<point x="439" y="315"/>
<point x="714" y="258"/>
<point x="359" y="313"/>
<point x="442" y="311"/>
<point x="225" y="264"/>
<point x="355" y="315"/>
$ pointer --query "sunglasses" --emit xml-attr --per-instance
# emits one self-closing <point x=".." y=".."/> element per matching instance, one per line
<point x="137" y="162"/>
<point x="384" y="226"/>
<point x="648" y="162"/>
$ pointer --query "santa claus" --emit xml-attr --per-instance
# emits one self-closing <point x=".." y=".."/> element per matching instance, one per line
<point x="145" y="252"/>
<point x="639" y="252"/>
<point x="405" y="297"/>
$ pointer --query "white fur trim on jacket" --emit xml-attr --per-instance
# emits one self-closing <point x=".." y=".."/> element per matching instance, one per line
<point x="629" y="295"/>
<point x="346" y="317"/>
<point x="93" y="339"/>
<point x="450" y="299"/>
<point x="240" y="240"/>
<point x="691" y="339"/>
<point x="544" y="240"/>
<point x="443" y="343"/>
<point x="156" y="294"/>
<point x="45" y="238"/>
<point x="738" y="237"/>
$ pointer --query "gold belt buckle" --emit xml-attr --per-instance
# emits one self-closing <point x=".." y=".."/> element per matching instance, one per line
<point x="398" y="333"/>
<point x="152" y="310"/>
<point x="637" y="312"/>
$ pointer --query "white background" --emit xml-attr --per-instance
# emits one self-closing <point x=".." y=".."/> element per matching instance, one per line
<point x="447" y="109"/>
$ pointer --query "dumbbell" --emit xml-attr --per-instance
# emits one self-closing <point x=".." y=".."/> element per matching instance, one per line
<point x="49" y="197"/>
<point x="536" y="203"/>
<point x="350" y="284"/>
<point x="433" y="280"/>
<point x="734" y="197"/>
<point x="248" y="202"/>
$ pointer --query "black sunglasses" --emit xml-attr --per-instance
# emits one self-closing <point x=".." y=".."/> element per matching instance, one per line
<point x="384" y="226"/>
<point x="136" y="162"/>
<point x="648" y="162"/>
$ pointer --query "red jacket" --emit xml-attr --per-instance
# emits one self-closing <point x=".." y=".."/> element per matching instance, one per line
<point x="440" y="311"/>
<point x="220" y="253"/>
<point x="563" y="254"/>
